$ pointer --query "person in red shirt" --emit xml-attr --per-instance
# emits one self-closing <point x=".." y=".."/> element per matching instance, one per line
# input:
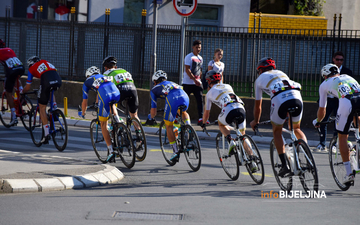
<point x="13" y="70"/>
<point x="50" y="79"/>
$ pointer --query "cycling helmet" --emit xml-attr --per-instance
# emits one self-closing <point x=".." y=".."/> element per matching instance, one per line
<point x="212" y="76"/>
<point x="2" y="43"/>
<point x="91" y="71"/>
<point x="32" y="60"/>
<point x="266" y="62"/>
<point x="159" y="74"/>
<point x="329" y="70"/>
<point x="109" y="59"/>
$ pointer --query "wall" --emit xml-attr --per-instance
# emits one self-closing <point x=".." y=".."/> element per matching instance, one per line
<point x="73" y="91"/>
<point x="4" y="4"/>
<point x="97" y="10"/>
<point x="350" y="10"/>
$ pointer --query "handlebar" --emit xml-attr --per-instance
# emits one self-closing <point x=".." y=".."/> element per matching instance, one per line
<point x="256" y="130"/>
<point x="204" y="127"/>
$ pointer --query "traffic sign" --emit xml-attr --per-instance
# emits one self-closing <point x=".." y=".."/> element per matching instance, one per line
<point x="185" y="7"/>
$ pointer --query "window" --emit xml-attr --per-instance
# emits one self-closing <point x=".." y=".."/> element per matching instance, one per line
<point x="132" y="11"/>
<point x="206" y="15"/>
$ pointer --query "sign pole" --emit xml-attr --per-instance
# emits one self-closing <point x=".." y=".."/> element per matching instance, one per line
<point x="182" y="46"/>
<point x="154" y="36"/>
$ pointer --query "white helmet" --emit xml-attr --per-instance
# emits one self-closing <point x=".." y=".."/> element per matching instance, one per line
<point x="329" y="70"/>
<point x="158" y="74"/>
<point x="91" y="71"/>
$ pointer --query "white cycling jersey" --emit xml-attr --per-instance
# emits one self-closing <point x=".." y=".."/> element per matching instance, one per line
<point x="224" y="97"/>
<point x="281" y="89"/>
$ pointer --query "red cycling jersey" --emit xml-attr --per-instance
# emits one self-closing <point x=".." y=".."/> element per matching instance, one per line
<point x="39" y="68"/>
<point x="8" y="58"/>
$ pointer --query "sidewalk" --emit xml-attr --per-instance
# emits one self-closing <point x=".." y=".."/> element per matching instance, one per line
<point x="80" y="174"/>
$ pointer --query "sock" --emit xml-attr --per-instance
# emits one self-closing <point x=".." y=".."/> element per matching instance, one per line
<point x="110" y="148"/>
<point x="46" y="129"/>
<point x="348" y="168"/>
<point x="174" y="146"/>
<point x="228" y="138"/>
<point x="13" y="113"/>
<point x="117" y="119"/>
<point x="187" y="121"/>
<point x="283" y="159"/>
<point x="54" y="105"/>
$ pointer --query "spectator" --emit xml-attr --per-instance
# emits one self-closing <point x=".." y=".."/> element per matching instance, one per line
<point x="216" y="64"/>
<point x="31" y="10"/>
<point x="61" y="12"/>
<point x="192" y="77"/>
<point x="332" y="103"/>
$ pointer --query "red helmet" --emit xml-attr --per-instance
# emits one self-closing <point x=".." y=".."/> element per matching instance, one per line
<point x="212" y="76"/>
<point x="266" y="62"/>
<point x="2" y="43"/>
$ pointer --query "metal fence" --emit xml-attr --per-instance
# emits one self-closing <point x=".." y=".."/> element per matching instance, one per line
<point x="73" y="47"/>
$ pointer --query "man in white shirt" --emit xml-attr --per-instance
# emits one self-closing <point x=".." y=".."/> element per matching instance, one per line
<point x="192" y="77"/>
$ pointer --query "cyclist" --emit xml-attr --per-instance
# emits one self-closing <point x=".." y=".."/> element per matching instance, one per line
<point x="347" y="90"/>
<point x="124" y="82"/>
<point x="107" y="93"/>
<point x="13" y="70"/>
<point x="284" y="93"/>
<point x="231" y="107"/>
<point x="50" y="79"/>
<point x="174" y="97"/>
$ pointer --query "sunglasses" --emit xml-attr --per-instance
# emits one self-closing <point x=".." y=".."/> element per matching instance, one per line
<point x="339" y="59"/>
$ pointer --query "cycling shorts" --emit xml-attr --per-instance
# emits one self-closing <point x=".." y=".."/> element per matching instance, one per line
<point x="175" y="99"/>
<point x="49" y="80"/>
<point x="281" y="102"/>
<point x="230" y="112"/>
<point x="131" y="95"/>
<point x="11" y="77"/>
<point x="346" y="111"/>
<point x="107" y="94"/>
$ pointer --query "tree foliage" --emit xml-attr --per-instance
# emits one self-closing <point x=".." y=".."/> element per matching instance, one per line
<point x="309" y="7"/>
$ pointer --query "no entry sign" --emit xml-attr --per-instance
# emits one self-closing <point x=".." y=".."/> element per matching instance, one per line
<point x="185" y="7"/>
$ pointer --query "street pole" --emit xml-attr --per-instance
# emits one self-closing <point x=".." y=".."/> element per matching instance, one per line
<point x="182" y="46"/>
<point x="154" y="35"/>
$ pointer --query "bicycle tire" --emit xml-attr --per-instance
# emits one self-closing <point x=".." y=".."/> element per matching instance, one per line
<point x="36" y="128"/>
<point x="26" y="107"/>
<point x="285" y="183"/>
<point x="165" y="146"/>
<point x="336" y="165"/>
<point x="124" y="145"/>
<point x="60" y="130"/>
<point x="98" y="141"/>
<point x="138" y="137"/>
<point x="5" y="115"/>
<point x="229" y="162"/>
<point x="309" y="179"/>
<point x="192" y="147"/>
<point x="259" y="175"/>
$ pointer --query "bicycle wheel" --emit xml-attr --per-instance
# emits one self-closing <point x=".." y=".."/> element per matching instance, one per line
<point x="249" y="144"/>
<point x="337" y="167"/>
<point x="285" y="183"/>
<point x="26" y="107"/>
<point x="5" y="115"/>
<point x="229" y="162"/>
<point x="124" y="145"/>
<point x="60" y="132"/>
<point x="309" y="179"/>
<point x="165" y="146"/>
<point x="98" y="141"/>
<point x="36" y="129"/>
<point x="192" y="149"/>
<point x="138" y="136"/>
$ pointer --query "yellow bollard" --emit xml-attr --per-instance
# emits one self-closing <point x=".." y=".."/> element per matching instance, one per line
<point x="65" y="106"/>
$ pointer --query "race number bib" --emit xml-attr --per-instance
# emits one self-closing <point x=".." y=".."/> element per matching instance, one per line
<point x="41" y="68"/>
<point x="101" y="80"/>
<point x="169" y="87"/>
<point x="13" y="62"/>
<point x="344" y="89"/>
<point x="121" y="77"/>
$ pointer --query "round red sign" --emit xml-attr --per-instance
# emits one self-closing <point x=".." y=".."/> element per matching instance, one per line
<point x="185" y="7"/>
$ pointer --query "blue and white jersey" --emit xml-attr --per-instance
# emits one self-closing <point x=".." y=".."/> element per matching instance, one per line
<point x="94" y="82"/>
<point x="162" y="90"/>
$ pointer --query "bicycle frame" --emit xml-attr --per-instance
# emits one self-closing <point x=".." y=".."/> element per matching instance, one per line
<point x="17" y="101"/>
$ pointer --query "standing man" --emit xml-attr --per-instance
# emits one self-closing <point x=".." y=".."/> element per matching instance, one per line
<point x="192" y="77"/>
<point x="347" y="90"/>
<point x="332" y="103"/>
<point x="13" y="70"/>
<point x="284" y="94"/>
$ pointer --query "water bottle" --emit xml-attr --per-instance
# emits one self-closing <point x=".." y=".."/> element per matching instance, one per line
<point x="353" y="162"/>
<point x="15" y="100"/>
<point x="176" y="132"/>
<point x="289" y="153"/>
<point x="109" y="127"/>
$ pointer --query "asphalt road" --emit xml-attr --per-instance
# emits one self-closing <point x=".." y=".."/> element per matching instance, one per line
<point x="154" y="193"/>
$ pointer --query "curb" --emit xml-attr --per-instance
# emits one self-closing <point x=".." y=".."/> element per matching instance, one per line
<point x="108" y="175"/>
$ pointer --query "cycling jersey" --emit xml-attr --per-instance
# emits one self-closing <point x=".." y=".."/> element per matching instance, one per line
<point x="13" y="67"/>
<point x="347" y="90"/>
<point x="284" y="94"/>
<point x="38" y="69"/>
<point x="174" y="97"/>
<point x="106" y="90"/>
<point x="231" y="105"/>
